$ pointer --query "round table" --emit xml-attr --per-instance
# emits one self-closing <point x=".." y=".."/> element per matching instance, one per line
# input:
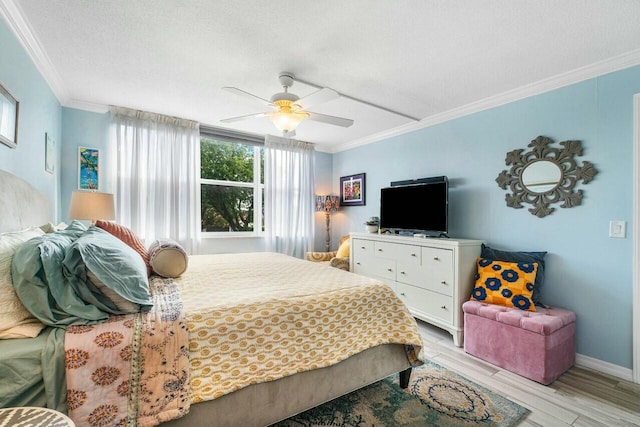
<point x="34" y="417"/>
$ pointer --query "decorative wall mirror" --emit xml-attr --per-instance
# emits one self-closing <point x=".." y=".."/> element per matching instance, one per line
<point x="545" y="175"/>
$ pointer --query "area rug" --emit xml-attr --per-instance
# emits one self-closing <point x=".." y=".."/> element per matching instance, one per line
<point x="436" y="396"/>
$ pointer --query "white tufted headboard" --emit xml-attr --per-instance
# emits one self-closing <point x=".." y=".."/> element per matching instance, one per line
<point x="21" y="205"/>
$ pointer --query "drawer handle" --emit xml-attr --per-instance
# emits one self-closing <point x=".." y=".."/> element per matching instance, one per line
<point x="402" y="293"/>
<point x="435" y="258"/>
<point x="358" y="263"/>
<point x="402" y="272"/>
<point x="414" y="255"/>
<point x="444" y="307"/>
<point x="362" y="247"/>
<point x="443" y="282"/>
<point x="388" y="269"/>
<point x="379" y="249"/>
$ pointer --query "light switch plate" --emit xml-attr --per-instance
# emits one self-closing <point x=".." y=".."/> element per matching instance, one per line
<point x="617" y="229"/>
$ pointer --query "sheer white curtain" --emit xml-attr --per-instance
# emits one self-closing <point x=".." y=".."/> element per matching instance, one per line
<point x="289" y="195"/>
<point x="157" y="178"/>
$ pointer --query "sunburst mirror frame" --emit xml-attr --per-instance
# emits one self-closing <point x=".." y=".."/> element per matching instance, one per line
<point x="562" y="188"/>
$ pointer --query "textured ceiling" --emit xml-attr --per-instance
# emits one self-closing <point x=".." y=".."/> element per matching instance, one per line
<point x="418" y="57"/>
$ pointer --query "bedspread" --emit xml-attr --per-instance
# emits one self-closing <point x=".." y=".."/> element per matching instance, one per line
<point x="130" y="370"/>
<point x="262" y="316"/>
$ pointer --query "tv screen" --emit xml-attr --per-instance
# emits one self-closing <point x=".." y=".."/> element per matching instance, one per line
<point x="421" y="207"/>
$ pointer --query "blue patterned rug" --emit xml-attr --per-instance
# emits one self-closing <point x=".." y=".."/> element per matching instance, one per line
<point x="436" y="396"/>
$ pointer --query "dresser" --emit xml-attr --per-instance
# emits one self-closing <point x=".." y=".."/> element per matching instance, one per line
<point x="433" y="276"/>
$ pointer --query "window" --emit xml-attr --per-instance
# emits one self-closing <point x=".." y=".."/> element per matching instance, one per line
<point x="231" y="184"/>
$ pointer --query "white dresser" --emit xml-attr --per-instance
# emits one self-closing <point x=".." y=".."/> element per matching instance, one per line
<point x="432" y="276"/>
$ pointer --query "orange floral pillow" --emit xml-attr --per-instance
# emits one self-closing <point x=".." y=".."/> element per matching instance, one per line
<point x="505" y="283"/>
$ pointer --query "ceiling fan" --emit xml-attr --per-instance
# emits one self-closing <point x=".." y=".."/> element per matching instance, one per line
<point x="287" y="109"/>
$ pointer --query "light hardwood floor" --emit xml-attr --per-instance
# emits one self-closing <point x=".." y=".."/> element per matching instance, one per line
<point x="581" y="397"/>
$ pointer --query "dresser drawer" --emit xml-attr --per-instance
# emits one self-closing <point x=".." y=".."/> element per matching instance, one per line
<point x="434" y="259"/>
<point x="404" y="254"/>
<point x="427" y="302"/>
<point x="411" y="274"/>
<point x="362" y="248"/>
<point x="384" y="268"/>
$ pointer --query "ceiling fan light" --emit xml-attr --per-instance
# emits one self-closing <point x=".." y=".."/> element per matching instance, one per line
<point x="286" y="122"/>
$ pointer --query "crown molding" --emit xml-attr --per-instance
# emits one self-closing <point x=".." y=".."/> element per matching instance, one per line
<point x="610" y="65"/>
<point x="86" y="106"/>
<point x="11" y="12"/>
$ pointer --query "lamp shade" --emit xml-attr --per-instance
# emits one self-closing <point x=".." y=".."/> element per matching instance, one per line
<point x="286" y="118"/>
<point x="91" y="205"/>
<point x="327" y="203"/>
<point x="287" y="122"/>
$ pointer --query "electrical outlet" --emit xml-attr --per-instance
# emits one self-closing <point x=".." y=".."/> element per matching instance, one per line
<point x="617" y="229"/>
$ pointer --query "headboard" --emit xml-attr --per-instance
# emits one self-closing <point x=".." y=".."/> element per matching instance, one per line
<point x="21" y="205"/>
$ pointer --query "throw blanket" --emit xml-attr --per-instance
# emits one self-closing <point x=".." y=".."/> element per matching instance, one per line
<point x="258" y="317"/>
<point x="131" y="370"/>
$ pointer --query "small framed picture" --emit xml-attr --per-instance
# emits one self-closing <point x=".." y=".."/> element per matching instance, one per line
<point x="352" y="190"/>
<point x="88" y="168"/>
<point x="49" y="153"/>
<point x="9" y="107"/>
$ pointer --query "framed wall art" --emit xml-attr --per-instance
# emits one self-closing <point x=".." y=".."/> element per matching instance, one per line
<point x="352" y="190"/>
<point x="9" y="107"/>
<point x="88" y="168"/>
<point x="49" y="153"/>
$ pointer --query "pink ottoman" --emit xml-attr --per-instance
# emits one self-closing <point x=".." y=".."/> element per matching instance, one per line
<point x="538" y="345"/>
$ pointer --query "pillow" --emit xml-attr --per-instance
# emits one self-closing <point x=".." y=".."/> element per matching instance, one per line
<point x="115" y="265"/>
<point x="505" y="283"/>
<point x="343" y="250"/>
<point x="15" y="320"/>
<point x="52" y="228"/>
<point x="121" y="303"/>
<point x="127" y="236"/>
<point x="168" y="258"/>
<point x="42" y="284"/>
<point x="530" y="257"/>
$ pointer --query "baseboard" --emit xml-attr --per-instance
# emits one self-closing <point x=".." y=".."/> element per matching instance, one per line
<point x="604" y="367"/>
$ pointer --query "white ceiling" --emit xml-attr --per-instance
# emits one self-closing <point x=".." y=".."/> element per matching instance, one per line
<point x="427" y="59"/>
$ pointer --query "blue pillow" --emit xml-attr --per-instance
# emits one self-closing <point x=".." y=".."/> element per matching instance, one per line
<point x="115" y="265"/>
<point x="41" y="285"/>
<point x="520" y="256"/>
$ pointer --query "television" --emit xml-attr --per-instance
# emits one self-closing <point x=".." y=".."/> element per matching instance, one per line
<point x="416" y="206"/>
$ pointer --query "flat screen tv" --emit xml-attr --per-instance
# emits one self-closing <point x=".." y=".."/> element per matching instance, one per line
<point x="417" y="206"/>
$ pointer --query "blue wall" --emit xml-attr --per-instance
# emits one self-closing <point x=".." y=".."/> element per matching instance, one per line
<point x="83" y="129"/>
<point x="39" y="115"/>
<point x="587" y="271"/>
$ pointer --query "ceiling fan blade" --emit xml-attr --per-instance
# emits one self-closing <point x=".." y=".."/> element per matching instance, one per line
<point x="332" y="120"/>
<point x="317" y="97"/>
<point x="248" y="95"/>
<point x="248" y="116"/>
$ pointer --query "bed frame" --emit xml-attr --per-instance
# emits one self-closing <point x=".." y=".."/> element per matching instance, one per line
<point x="256" y="405"/>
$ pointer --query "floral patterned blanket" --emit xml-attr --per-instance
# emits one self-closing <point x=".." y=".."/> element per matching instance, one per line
<point x="132" y="370"/>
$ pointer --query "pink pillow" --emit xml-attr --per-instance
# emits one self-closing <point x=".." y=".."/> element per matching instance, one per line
<point x="127" y="236"/>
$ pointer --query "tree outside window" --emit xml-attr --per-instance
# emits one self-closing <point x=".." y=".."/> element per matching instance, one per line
<point x="232" y="182"/>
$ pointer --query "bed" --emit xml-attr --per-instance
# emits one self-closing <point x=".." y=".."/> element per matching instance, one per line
<point x="267" y="336"/>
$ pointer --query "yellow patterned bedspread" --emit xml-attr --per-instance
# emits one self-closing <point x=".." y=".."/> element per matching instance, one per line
<point x="262" y="316"/>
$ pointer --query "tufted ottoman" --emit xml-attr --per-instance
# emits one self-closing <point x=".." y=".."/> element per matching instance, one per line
<point x="538" y="345"/>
